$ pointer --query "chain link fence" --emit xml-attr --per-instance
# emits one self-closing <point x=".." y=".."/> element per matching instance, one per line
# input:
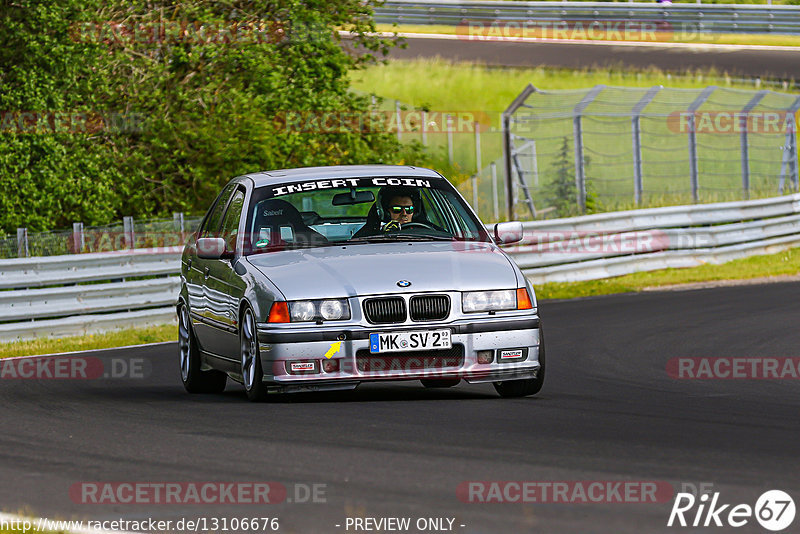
<point x="130" y="233"/>
<point x="611" y="148"/>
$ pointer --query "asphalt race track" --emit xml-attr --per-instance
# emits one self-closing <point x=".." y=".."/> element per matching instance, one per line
<point x="608" y="412"/>
<point x="778" y="64"/>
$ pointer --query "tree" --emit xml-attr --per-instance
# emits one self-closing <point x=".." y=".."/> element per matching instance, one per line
<point x="198" y="88"/>
<point x="561" y="193"/>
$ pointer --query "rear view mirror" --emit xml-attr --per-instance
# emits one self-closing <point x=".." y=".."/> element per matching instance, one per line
<point x="212" y="248"/>
<point x="353" y="197"/>
<point x="508" y="232"/>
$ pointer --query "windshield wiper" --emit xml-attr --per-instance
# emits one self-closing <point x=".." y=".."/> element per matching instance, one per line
<point x="291" y="246"/>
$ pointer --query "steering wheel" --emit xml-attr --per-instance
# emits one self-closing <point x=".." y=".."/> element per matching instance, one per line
<point x="417" y="225"/>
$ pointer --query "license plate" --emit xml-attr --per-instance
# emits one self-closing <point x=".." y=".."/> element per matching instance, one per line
<point x="408" y="341"/>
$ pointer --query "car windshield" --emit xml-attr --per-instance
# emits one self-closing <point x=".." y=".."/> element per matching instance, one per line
<point x="316" y="213"/>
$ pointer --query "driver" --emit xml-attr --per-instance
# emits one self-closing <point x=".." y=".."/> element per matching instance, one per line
<point x="399" y="205"/>
<point x="394" y="207"/>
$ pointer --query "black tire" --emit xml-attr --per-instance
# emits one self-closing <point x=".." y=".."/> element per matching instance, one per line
<point x="194" y="379"/>
<point x="440" y="382"/>
<point x="250" y="358"/>
<point x="523" y="388"/>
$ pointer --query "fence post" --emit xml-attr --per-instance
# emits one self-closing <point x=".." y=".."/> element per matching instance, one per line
<point x="792" y="134"/>
<point x="399" y="121"/>
<point x="508" y="145"/>
<point x="474" y="180"/>
<point x="78" y="241"/>
<point x="127" y="228"/>
<point x="22" y="243"/>
<point x="506" y="122"/>
<point x="178" y="223"/>
<point x="478" y="165"/>
<point x="744" y="143"/>
<point x="495" y="199"/>
<point x="636" y="132"/>
<point x="693" y="140"/>
<point x="424" y="128"/>
<point x="580" y="178"/>
<point x="534" y="163"/>
<point x="450" y="154"/>
<point x="577" y="132"/>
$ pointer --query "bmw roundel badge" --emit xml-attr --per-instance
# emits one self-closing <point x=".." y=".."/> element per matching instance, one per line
<point x="403" y="283"/>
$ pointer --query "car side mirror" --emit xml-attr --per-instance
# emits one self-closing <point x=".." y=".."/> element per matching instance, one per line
<point x="212" y="248"/>
<point x="508" y="232"/>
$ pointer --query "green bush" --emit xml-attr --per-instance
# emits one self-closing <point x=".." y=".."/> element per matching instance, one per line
<point x="196" y="107"/>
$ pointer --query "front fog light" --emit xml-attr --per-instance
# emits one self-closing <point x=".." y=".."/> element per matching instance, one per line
<point x="485" y="356"/>
<point x="330" y="366"/>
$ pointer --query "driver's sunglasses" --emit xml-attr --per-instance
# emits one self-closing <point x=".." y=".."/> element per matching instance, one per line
<point x="408" y="210"/>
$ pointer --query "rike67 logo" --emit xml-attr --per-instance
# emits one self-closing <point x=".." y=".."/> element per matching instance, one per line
<point x="774" y="510"/>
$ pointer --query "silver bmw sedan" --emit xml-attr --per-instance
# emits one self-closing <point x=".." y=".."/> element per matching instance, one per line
<point x="323" y="278"/>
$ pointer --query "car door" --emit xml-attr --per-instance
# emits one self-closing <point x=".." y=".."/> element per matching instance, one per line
<point x="224" y="287"/>
<point x="199" y="304"/>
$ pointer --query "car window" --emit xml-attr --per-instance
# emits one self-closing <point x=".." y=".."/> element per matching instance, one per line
<point x="230" y="224"/>
<point x="214" y="216"/>
<point x="314" y="213"/>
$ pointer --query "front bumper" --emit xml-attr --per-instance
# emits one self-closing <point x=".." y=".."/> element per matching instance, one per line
<point x="281" y="346"/>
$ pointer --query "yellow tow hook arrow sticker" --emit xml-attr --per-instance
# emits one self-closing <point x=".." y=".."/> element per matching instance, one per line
<point x="335" y="347"/>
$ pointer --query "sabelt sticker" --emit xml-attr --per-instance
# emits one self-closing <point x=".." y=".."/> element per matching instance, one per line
<point x="511" y="354"/>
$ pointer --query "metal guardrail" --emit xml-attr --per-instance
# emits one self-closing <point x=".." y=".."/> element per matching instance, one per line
<point x="50" y="296"/>
<point x="611" y="244"/>
<point x="711" y="18"/>
<point x="83" y="293"/>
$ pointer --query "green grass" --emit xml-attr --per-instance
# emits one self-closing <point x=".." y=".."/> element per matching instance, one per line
<point x="676" y="37"/>
<point x="117" y="338"/>
<point x="484" y="92"/>
<point x="782" y="263"/>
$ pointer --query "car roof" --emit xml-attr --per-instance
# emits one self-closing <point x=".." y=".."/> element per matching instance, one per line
<point x="338" y="171"/>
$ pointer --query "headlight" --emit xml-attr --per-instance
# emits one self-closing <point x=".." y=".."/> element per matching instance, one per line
<point x="333" y="310"/>
<point x="478" y="301"/>
<point x="303" y="311"/>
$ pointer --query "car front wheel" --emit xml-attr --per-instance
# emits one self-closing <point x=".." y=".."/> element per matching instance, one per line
<point x="252" y="373"/>
<point x="523" y="388"/>
<point x="194" y="379"/>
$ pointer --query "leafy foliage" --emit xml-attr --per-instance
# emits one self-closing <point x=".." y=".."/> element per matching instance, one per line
<point x="199" y="87"/>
